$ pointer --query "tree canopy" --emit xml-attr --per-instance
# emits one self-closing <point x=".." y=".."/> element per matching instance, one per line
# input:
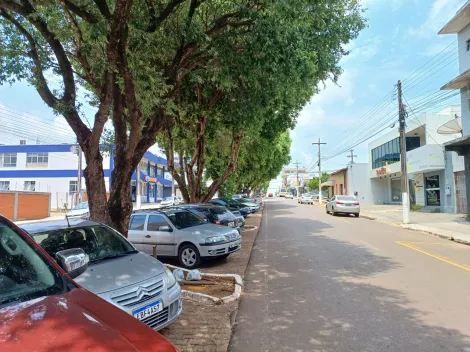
<point x="202" y="74"/>
<point x="313" y="184"/>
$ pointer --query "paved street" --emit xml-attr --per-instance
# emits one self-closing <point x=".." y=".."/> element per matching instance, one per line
<point x="321" y="283"/>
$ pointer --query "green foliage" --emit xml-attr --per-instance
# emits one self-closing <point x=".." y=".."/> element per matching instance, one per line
<point x="416" y="207"/>
<point x="313" y="184"/>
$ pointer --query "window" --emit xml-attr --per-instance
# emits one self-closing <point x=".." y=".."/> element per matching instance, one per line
<point x="4" y="185"/>
<point x="468" y="45"/>
<point x="37" y="159"/>
<point x="137" y="222"/>
<point x="184" y="219"/>
<point x="412" y="143"/>
<point x="30" y="185"/>
<point x="8" y="160"/>
<point x="73" y="187"/>
<point x="155" y="222"/>
<point x="385" y="154"/>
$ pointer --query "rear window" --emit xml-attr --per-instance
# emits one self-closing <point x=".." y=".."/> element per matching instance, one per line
<point x="347" y="198"/>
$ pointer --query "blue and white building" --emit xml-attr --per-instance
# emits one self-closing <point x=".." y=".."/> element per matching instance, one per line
<point x="54" y="169"/>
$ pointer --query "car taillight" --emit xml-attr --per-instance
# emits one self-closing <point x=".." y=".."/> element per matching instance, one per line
<point x="217" y="222"/>
<point x="338" y="202"/>
<point x="356" y="203"/>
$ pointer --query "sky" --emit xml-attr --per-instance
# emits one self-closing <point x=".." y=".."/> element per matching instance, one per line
<point x="400" y="38"/>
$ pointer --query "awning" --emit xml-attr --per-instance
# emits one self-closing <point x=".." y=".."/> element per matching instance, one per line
<point x="327" y="184"/>
<point x="461" y="81"/>
<point x="460" y="145"/>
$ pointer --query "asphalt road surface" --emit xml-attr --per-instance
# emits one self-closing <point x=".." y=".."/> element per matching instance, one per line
<point x="321" y="283"/>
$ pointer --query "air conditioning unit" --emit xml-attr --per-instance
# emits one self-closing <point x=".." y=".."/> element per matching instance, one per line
<point x="23" y="142"/>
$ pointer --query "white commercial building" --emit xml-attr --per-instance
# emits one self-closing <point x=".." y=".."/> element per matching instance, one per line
<point x="54" y="169"/>
<point x="426" y="161"/>
<point x="460" y="25"/>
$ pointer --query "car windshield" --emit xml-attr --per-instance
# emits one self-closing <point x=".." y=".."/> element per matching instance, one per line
<point x="184" y="219"/>
<point x="24" y="273"/>
<point x="347" y="198"/>
<point x="220" y="212"/>
<point x="80" y="206"/>
<point x="98" y="241"/>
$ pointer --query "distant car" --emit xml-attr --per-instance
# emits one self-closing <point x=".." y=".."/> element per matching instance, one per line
<point x="171" y="201"/>
<point x="289" y="196"/>
<point x="343" y="205"/>
<point x="80" y="211"/>
<point x="250" y="202"/>
<point x="178" y="233"/>
<point x="244" y="209"/>
<point x="306" y="198"/>
<point x="216" y="214"/>
<point x="43" y="309"/>
<point x="270" y="195"/>
<point x="257" y="198"/>
<point x="116" y="270"/>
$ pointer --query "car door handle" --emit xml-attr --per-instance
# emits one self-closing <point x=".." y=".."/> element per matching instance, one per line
<point x="148" y="236"/>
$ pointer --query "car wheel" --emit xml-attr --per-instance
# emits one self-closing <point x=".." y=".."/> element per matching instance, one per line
<point x="189" y="256"/>
<point x="356" y="215"/>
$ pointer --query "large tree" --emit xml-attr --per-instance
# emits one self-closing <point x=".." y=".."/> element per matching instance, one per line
<point x="147" y="65"/>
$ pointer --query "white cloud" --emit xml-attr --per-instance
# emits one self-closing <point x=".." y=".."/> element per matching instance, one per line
<point x="437" y="48"/>
<point x="441" y="12"/>
<point x="368" y="50"/>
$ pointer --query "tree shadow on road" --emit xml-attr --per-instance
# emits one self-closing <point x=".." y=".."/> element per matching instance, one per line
<point x="306" y="291"/>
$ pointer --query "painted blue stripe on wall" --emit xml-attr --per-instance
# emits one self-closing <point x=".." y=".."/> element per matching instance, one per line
<point x="41" y="148"/>
<point x="41" y="173"/>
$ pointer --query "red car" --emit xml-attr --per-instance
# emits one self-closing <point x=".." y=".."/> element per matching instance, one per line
<point x="270" y="195"/>
<point x="43" y="309"/>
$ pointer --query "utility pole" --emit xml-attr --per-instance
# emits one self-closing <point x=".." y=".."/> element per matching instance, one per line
<point x="352" y="156"/>
<point x="404" y="172"/>
<point x="297" y="166"/>
<point x="138" y="201"/>
<point x="79" y="176"/>
<point x="319" y="143"/>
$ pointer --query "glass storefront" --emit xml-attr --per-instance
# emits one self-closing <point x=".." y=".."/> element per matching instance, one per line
<point x="433" y="191"/>
<point x="396" y="190"/>
<point x="389" y="153"/>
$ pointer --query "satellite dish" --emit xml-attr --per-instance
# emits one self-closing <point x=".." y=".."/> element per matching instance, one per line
<point x="451" y="127"/>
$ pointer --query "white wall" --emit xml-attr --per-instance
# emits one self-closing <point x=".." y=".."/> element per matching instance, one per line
<point x="464" y="55"/>
<point x="380" y="190"/>
<point x="359" y="181"/>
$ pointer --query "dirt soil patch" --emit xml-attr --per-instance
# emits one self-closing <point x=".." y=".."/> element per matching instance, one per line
<point x="219" y="287"/>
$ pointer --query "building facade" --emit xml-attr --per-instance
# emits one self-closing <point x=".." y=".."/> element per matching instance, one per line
<point x="429" y="184"/>
<point x="460" y="25"/>
<point x="54" y="169"/>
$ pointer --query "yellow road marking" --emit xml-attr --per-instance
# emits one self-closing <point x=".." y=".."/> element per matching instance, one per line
<point x="445" y="260"/>
<point x="343" y="220"/>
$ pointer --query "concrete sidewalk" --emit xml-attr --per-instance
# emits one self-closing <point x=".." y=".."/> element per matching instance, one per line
<point x="450" y="226"/>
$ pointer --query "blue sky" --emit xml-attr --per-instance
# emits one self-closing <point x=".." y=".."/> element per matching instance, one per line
<point x="400" y="38"/>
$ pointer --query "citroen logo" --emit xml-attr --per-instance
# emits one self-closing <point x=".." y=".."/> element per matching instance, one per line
<point x="142" y="291"/>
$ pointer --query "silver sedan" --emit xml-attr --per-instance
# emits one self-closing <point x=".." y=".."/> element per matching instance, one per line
<point x="343" y="205"/>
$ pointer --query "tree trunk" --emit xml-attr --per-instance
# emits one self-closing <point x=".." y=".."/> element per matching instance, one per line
<point x="95" y="185"/>
<point x="120" y="202"/>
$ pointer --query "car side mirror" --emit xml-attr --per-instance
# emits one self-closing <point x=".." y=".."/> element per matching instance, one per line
<point x="165" y="228"/>
<point x="74" y="261"/>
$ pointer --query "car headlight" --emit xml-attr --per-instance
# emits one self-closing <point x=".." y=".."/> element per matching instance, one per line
<point x="215" y="239"/>
<point x="169" y="278"/>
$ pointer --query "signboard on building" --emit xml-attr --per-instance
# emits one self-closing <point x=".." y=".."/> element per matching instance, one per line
<point x="382" y="171"/>
<point x="150" y="179"/>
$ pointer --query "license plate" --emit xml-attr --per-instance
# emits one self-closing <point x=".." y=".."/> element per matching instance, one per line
<point x="231" y="224"/>
<point x="348" y="204"/>
<point x="148" y="310"/>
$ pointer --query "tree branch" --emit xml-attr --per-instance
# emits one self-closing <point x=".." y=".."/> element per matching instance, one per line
<point x="80" y="11"/>
<point x="103" y="7"/>
<point x="42" y="88"/>
<point x="156" y="21"/>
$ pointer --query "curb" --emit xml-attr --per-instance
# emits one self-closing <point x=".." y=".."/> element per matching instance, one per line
<point x="368" y="217"/>
<point x="437" y="234"/>
<point x="203" y="298"/>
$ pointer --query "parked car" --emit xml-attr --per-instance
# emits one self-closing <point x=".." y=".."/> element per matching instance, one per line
<point x="43" y="309"/>
<point x="250" y="202"/>
<point x="258" y="198"/>
<point x="306" y="198"/>
<point x="176" y="232"/>
<point x="289" y="196"/>
<point x="270" y="195"/>
<point x="133" y="281"/>
<point x="80" y="211"/>
<point x="216" y="214"/>
<point x="244" y="209"/>
<point x="171" y="201"/>
<point x="343" y="204"/>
